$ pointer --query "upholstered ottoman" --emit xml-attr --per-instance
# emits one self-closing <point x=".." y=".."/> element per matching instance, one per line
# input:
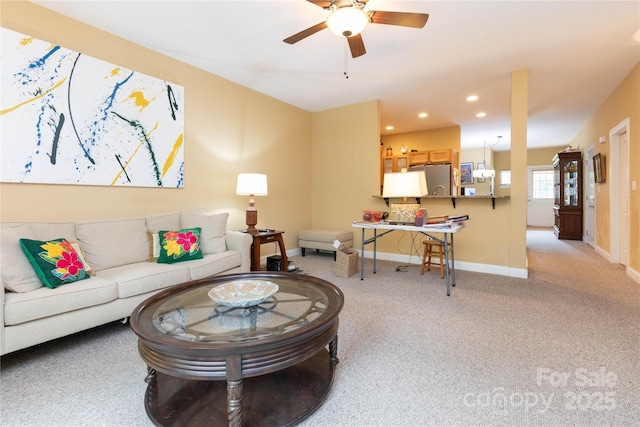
<point x="322" y="240"/>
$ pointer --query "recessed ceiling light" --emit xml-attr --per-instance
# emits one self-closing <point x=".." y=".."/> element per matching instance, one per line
<point x="422" y="115"/>
<point x="389" y="128"/>
<point x="480" y="115"/>
<point x="472" y="98"/>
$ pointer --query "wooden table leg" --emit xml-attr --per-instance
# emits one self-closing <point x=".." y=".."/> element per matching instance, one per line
<point x="234" y="391"/>
<point x="255" y="255"/>
<point x="284" y="265"/>
<point x="234" y="402"/>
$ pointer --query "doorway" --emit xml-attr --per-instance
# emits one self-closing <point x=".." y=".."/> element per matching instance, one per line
<point x="618" y="176"/>
<point x="590" y="205"/>
<point x="540" y="196"/>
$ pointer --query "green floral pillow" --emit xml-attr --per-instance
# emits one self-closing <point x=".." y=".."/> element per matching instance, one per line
<point x="178" y="246"/>
<point x="55" y="261"/>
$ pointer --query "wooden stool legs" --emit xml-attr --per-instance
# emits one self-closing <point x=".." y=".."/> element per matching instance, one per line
<point x="432" y="248"/>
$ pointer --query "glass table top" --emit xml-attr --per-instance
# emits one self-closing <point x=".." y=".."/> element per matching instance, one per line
<point x="192" y="315"/>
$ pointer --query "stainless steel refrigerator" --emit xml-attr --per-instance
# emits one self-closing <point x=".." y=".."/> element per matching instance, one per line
<point x="438" y="178"/>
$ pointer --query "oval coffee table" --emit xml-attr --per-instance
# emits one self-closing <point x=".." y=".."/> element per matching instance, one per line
<point x="212" y="364"/>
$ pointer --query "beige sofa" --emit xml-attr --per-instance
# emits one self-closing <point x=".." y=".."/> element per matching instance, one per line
<point x="120" y="253"/>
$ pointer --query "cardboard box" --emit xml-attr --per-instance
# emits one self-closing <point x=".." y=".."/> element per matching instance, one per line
<point x="346" y="262"/>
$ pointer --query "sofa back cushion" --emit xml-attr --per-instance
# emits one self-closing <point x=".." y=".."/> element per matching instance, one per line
<point x="214" y="228"/>
<point x="112" y="243"/>
<point x="15" y="269"/>
<point x="166" y="221"/>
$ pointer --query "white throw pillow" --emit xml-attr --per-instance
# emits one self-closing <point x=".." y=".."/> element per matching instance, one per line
<point x="213" y="233"/>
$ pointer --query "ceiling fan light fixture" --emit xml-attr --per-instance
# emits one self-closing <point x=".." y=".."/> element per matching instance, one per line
<point x="347" y="21"/>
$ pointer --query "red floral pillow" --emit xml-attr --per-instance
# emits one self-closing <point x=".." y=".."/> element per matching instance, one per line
<point x="55" y="261"/>
<point x="178" y="246"/>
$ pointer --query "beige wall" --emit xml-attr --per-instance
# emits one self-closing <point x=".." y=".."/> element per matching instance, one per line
<point x="433" y="139"/>
<point x="228" y="129"/>
<point x="476" y="156"/>
<point x="542" y="156"/>
<point x="535" y="157"/>
<point x="345" y="158"/>
<point x="323" y="168"/>
<point x="621" y="104"/>
<point x="316" y="163"/>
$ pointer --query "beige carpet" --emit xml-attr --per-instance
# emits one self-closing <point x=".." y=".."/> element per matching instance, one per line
<point x="560" y="348"/>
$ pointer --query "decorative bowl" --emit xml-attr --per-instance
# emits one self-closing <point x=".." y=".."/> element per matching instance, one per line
<point x="243" y="293"/>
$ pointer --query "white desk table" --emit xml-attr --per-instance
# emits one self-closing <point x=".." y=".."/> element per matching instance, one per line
<point x="380" y="229"/>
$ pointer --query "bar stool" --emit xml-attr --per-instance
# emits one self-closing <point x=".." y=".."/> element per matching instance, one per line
<point x="432" y="248"/>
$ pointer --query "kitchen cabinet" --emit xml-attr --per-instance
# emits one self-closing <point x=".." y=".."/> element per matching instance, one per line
<point x="390" y="164"/>
<point x="433" y="156"/>
<point x="418" y="157"/>
<point x="441" y="156"/>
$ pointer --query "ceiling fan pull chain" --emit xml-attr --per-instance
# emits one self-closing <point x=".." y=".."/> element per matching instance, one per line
<point x="346" y="58"/>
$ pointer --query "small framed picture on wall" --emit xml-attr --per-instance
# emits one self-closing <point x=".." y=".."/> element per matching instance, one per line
<point x="599" y="168"/>
<point x="466" y="173"/>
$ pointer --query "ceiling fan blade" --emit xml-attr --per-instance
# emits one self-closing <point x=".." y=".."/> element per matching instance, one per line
<point x="305" y="33"/>
<point x="322" y="3"/>
<point x="356" y="45"/>
<point x="405" y="19"/>
<point x="337" y="3"/>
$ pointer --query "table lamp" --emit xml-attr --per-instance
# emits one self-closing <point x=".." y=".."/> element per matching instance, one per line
<point x="251" y="184"/>
<point x="404" y="184"/>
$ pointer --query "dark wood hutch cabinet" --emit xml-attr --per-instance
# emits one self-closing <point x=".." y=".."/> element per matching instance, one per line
<point x="567" y="206"/>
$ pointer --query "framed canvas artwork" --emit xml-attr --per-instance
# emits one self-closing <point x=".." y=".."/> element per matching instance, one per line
<point x="68" y="118"/>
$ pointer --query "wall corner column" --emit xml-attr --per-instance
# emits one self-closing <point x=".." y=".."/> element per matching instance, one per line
<point x="519" y="114"/>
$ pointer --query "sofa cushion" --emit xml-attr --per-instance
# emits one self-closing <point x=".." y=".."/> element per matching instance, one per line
<point x="53" y="230"/>
<point x="142" y="277"/>
<point x="108" y="244"/>
<point x="15" y="269"/>
<point x="178" y="246"/>
<point x="54" y="261"/>
<point x="168" y="221"/>
<point x="214" y="227"/>
<point x="45" y="302"/>
<point x="213" y="264"/>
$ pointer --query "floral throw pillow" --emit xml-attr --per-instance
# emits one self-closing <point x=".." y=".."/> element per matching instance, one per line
<point x="178" y="246"/>
<point x="55" y="261"/>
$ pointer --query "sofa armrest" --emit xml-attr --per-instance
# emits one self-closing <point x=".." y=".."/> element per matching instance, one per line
<point x="240" y="242"/>
<point x="2" y="341"/>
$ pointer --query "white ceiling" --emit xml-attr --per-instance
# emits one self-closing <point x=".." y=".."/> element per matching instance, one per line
<point x="577" y="52"/>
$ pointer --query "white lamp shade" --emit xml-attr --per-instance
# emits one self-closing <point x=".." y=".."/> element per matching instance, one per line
<point x="347" y="21"/>
<point x="251" y="184"/>
<point x="405" y="184"/>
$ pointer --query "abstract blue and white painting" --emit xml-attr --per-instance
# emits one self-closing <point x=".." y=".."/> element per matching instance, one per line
<point x="68" y="118"/>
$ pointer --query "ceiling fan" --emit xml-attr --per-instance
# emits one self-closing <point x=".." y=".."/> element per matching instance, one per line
<point x="348" y="18"/>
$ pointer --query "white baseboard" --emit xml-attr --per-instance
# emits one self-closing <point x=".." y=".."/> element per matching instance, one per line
<point x="635" y="275"/>
<point x="500" y="270"/>
<point x="602" y="252"/>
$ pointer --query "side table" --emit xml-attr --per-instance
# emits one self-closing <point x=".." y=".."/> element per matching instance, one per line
<point x="263" y="237"/>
